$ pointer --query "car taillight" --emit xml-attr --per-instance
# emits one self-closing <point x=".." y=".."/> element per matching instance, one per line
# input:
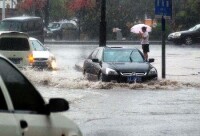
<point x="30" y="58"/>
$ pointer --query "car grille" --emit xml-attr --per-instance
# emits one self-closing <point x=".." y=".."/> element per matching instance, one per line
<point x="16" y="60"/>
<point x="133" y="73"/>
<point x="40" y="59"/>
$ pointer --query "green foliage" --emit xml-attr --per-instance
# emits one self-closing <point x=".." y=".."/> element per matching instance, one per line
<point x="58" y="10"/>
<point x="156" y="33"/>
<point x="125" y="13"/>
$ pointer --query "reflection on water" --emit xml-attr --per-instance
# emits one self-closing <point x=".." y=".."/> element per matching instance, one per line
<point x="71" y="79"/>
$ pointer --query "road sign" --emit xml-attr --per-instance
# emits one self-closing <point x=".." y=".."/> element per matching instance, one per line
<point x="163" y="8"/>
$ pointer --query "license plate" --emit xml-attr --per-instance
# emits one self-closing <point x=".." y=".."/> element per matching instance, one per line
<point x="134" y="79"/>
<point x="15" y="60"/>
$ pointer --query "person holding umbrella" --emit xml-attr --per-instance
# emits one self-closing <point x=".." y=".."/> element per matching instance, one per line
<point x="144" y="35"/>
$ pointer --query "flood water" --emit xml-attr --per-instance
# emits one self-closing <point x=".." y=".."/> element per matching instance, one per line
<point x="165" y="107"/>
<point x="182" y="68"/>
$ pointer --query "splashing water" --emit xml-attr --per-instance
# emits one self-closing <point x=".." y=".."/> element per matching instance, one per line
<point x="67" y="78"/>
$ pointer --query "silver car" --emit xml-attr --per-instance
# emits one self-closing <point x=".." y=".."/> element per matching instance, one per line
<point x="23" y="111"/>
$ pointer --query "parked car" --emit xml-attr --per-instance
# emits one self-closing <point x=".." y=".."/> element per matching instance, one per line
<point x="187" y="37"/>
<point x="119" y="64"/>
<point x="64" y="30"/>
<point x="25" y="51"/>
<point x="48" y="33"/>
<point x="23" y="111"/>
<point x="31" y="25"/>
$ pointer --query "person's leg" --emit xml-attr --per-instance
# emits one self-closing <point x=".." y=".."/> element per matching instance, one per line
<point x="145" y="48"/>
<point x="145" y="55"/>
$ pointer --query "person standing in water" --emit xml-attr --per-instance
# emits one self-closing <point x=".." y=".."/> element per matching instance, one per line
<point x="144" y="35"/>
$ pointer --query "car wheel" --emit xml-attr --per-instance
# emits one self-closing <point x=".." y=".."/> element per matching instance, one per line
<point x="188" y="41"/>
<point x="103" y="78"/>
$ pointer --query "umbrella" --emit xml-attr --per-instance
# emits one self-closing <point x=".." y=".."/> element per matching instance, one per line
<point x="138" y="28"/>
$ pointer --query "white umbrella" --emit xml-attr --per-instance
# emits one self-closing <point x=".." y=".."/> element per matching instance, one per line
<point x="138" y="28"/>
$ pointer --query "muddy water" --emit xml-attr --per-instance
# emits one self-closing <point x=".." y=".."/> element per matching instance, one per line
<point x="182" y="69"/>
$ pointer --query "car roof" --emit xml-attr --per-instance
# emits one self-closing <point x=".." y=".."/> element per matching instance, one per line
<point x="119" y="47"/>
<point x="32" y="38"/>
<point x="20" y="18"/>
<point x="12" y="33"/>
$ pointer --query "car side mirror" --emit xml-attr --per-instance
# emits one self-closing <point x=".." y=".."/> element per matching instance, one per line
<point x="151" y="60"/>
<point x="95" y="60"/>
<point x="58" y="105"/>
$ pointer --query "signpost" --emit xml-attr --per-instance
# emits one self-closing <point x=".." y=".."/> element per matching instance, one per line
<point x="163" y="10"/>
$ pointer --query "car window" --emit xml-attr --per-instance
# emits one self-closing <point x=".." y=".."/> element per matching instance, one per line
<point x="136" y="56"/>
<point x="94" y="54"/>
<point x="37" y="46"/>
<point x="10" y="26"/>
<point x="23" y="94"/>
<point x="14" y="44"/>
<point x="3" y="105"/>
<point x="54" y="25"/>
<point x="99" y="54"/>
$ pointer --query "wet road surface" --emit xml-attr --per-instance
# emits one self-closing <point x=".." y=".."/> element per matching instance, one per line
<point x="166" y="107"/>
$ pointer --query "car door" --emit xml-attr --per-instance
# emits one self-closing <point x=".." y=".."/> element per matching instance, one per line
<point x="89" y="64"/>
<point x="98" y="65"/>
<point x="8" y="124"/>
<point x="198" y="35"/>
<point x="28" y="106"/>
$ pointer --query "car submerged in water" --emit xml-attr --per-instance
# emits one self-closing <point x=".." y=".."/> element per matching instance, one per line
<point x="25" y="51"/>
<point x="119" y="64"/>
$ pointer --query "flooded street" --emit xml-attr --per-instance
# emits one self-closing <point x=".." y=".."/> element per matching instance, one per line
<point x="163" y="107"/>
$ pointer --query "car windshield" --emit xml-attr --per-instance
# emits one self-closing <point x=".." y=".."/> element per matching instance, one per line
<point x="122" y="55"/>
<point x="10" y="26"/>
<point x="54" y="25"/>
<point x="37" y="45"/>
<point x="194" y="28"/>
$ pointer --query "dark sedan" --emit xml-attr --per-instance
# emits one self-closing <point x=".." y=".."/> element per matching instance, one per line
<point x="119" y="64"/>
<point x="187" y="37"/>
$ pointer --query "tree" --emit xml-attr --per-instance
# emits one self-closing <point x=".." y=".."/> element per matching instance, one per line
<point x="32" y="7"/>
<point x="59" y="10"/>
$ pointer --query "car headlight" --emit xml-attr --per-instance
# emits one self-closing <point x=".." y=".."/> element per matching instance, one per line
<point x="110" y="71"/>
<point x="176" y="35"/>
<point x="153" y="71"/>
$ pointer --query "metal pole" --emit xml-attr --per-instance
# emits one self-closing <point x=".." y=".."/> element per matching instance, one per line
<point x="163" y="47"/>
<point x="3" y="9"/>
<point x="102" y="35"/>
<point x="47" y="14"/>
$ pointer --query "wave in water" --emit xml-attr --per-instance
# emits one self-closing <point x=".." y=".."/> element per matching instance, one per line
<point x="66" y="78"/>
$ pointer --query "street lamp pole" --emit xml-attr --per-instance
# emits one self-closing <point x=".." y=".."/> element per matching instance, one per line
<point x="47" y="14"/>
<point x="3" y="9"/>
<point x="102" y="35"/>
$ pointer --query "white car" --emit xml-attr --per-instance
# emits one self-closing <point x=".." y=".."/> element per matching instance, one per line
<point x="41" y="56"/>
<point x="25" y="51"/>
<point x="23" y="111"/>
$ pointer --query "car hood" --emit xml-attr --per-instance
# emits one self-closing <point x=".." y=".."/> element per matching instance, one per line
<point x="54" y="29"/>
<point x="41" y="54"/>
<point x="128" y="66"/>
<point x="184" y="32"/>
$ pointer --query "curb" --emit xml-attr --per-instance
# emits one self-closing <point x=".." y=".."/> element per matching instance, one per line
<point x="97" y="42"/>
